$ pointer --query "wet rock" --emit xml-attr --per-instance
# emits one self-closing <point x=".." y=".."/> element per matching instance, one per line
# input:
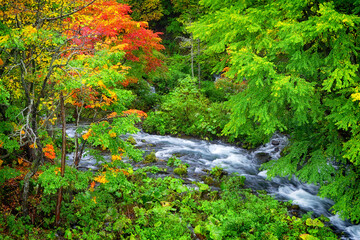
<point x="143" y="140"/>
<point x="275" y="142"/>
<point x="295" y="207"/>
<point x="276" y="149"/>
<point x="263" y="157"/>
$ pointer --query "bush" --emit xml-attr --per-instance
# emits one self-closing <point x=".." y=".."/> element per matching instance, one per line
<point x="187" y="111"/>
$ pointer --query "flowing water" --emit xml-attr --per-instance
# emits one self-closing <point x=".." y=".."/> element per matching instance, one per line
<point x="200" y="154"/>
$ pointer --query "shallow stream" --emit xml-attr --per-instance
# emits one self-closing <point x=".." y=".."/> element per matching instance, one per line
<point x="200" y="155"/>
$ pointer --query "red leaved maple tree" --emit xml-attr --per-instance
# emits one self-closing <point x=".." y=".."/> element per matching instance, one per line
<point x="109" y="22"/>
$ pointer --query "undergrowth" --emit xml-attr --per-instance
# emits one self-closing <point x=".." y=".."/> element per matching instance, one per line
<point x="119" y="203"/>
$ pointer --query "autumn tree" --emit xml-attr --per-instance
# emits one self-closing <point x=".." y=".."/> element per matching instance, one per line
<point x="300" y="60"/>
<point x="77" y="48"/>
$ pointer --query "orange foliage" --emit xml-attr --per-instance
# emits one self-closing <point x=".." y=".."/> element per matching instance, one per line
<point x="49" y="151"/>
<point x="111" y="115"/>
<point x="109" y="22"/>
<point x="92" y="186"/>
<point x="140" y="113"/>
<point x="129" y="80"/>
<point x="87" y="134"/>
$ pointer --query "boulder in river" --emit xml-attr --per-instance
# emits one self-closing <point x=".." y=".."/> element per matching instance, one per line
<point x="263" y="157"/>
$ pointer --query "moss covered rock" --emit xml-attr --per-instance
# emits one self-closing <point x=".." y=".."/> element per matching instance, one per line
<point x="150" y="158"/>
<point x="131" y="140"/>
<point x="180" y="171"/>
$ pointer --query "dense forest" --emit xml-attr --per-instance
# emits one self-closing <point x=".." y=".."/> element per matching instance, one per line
<point x="235" y="71"/>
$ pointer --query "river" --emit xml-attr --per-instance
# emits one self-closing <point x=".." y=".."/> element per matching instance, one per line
<point x="200" y="154"/>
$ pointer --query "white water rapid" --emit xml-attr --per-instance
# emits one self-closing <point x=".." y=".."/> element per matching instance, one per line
<point x="201" y="155"/>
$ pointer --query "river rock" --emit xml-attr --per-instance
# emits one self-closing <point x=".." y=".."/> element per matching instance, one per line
<point x="263" y="157"/>
<point x="275" y="142"/>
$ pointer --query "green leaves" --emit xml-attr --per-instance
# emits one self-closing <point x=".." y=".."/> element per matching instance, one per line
<point x="51" y="179"/>
<point x="300" y="61"/>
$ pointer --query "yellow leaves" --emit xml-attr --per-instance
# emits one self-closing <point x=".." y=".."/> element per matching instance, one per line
<point x="94" y="200"/>
<point x="29" y="30"/>
<point x="13" y="86"/>
<point x="1" y="62"/>
<point x="87" y="134"/>
<point x="115" y="157"/>
<point x="20" y="160"/>
<point x="118" y="47"/>
<point x="113" y="95"/>
<point x="112" y="134"/>
<point x="306" y="236"/>
<point x="1" y="162"/>
<point x="4" y="39"/>
<point x="1" y="144"/>
<point x="107" y="100"/>
<point x="355" y="97"/>
<point x="101" y="84"/>
<point x="165" y="204"/>
<point x="101" y="178"/>
<point x="53" y="120"/>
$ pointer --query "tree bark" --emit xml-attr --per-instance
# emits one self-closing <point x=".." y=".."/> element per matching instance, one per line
<point x="63" y="155"/>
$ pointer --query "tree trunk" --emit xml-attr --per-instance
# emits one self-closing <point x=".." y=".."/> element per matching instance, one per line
<point x="36" y="156"/>
<point x="192" y="56"/>
<point x="198" y="61"/>
<point x="35" y="165"/>
<point x="63" y="155"/>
